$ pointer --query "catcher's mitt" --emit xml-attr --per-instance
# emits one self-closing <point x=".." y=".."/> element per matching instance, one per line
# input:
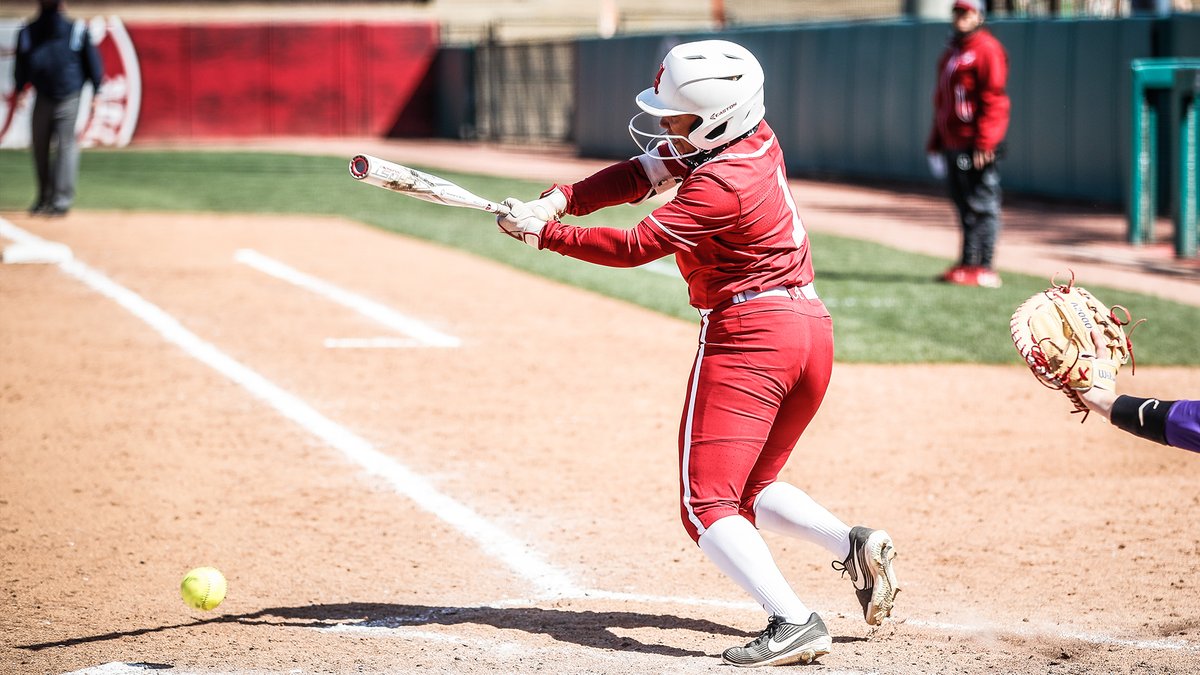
<point x="1072" y="341"/>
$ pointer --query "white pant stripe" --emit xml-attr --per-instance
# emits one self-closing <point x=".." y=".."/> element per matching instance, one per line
<point x="687" y="429"/>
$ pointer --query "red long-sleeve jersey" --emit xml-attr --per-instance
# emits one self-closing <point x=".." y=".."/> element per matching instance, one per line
<point x="970" y="103"/>
<point x="732" y="226"/>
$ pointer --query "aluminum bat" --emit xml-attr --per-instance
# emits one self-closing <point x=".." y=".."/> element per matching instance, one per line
<point x="418" y="184"/>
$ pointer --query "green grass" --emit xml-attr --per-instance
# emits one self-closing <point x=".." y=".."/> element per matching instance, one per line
<point x="885" y="305"/>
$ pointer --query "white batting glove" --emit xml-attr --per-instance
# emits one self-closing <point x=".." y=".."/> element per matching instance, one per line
<point x="550" y="207"/>
<point x="521" y="222"/>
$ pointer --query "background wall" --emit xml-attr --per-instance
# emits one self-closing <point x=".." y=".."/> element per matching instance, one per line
<point x="855" y="100"/>
<point x="327" y="78"/>
<point x="850" y="101"/>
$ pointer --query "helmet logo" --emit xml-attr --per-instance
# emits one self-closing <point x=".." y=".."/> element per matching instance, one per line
<point x="722" y="111"/>
<point x="658" y="77"/>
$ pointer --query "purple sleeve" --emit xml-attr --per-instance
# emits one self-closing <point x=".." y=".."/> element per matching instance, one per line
<point x="1183" y="425"/>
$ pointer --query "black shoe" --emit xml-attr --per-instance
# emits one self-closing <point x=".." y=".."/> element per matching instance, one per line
<point x="783" y="643"/>
<point x="870" y="568"/>
<point x="54" y="212"/>
<point x="38" y="209"/>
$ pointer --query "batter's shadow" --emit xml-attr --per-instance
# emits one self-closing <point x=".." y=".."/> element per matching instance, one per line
<point x="585" y="628"/>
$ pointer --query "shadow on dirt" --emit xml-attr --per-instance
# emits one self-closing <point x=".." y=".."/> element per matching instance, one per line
<point x="585" y="628"/>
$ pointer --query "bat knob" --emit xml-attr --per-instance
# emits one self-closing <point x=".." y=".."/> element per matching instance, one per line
<point x="359" y="167"/>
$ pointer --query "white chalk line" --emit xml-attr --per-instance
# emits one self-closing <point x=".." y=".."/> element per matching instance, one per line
<point x="19" y="236"/>
<point x="518" y="556"/>
<point x="551" y="582"/>
<point x="419" y="331"/>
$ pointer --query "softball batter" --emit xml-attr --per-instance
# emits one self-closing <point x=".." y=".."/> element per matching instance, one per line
<point x="766" y="340"/>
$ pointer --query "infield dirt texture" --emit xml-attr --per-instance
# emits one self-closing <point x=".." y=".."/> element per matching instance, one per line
<point x="474" y="472"/>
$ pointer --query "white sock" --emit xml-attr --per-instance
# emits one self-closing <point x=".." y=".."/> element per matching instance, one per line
<point x="739" y="550"/>
<point x="787" y="509"/>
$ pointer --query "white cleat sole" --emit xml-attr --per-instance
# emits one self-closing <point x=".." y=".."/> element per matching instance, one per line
<point x="880" y="554"/>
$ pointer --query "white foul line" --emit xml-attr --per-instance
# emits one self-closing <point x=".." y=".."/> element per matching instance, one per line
<point x="524" y="561"/>
<point x="419" y="331"/>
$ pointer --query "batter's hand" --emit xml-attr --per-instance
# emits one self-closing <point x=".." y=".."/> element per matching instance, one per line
<point x="984" y="157"/>
<point x="551" y="206"/>
<point x="522" y="222"/>
<point x="937" y="165"/>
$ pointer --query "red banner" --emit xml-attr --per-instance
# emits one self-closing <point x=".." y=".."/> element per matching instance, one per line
<point x="316" y="79"/>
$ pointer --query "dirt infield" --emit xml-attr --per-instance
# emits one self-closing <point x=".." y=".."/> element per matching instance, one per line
<point x="493" y="489"/>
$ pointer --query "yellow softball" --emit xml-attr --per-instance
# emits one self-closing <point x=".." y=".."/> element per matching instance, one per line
<point x="203" y="588"/>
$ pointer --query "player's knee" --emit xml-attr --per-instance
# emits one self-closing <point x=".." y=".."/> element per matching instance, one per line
<point x="697" y="516"/>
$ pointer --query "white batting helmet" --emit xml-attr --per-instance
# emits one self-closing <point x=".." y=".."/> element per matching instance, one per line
<point x="716" y="80"/>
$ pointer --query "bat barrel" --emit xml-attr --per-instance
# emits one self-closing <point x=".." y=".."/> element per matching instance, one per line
<point x="417" y="184"/>
<point x="360" y="167"/>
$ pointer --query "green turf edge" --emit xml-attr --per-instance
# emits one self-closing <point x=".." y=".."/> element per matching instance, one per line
<point x="886" y="306"/>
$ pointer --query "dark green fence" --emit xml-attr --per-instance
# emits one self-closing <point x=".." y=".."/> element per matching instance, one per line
<point x="855" y="100"/>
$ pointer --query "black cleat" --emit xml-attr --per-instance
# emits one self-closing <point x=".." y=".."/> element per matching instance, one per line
<point x="783" y="643"/>
<point x="870" y="568"/>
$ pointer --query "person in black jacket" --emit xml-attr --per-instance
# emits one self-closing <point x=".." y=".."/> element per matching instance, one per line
<point x="56" y="56"/>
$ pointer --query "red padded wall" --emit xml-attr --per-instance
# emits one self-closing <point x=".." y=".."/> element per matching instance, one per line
<point x="326" y="79"/>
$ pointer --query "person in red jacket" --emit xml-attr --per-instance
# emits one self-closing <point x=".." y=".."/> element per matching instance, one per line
<point x="970" y="118"/>
<point x="765" y="352"/>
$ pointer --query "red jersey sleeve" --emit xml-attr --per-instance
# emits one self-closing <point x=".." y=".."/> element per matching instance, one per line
<point x="626" y="182"/>
<point x="620" y="183"/>
<point x="609" y="246"/>
<point x="704" y="207"/>
<point x="993" y="98"/>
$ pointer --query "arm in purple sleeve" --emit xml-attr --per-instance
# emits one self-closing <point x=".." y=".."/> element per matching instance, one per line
<point x="1174" y="423"/>
<point x="1183" y="425"/>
